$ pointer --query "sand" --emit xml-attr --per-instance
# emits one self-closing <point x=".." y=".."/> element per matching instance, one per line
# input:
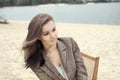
<point x="95" y="40"/>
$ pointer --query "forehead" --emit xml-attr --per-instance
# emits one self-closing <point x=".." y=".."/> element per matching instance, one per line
<point x="48" y="26"/>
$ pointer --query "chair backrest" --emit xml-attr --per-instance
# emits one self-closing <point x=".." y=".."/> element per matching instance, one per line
<point x="91" y="64"/>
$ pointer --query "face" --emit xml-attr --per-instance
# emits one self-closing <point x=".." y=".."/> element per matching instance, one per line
<point x="48" y="35"/>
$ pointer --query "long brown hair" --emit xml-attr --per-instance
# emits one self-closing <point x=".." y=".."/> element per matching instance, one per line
<point x="32" y="46"/>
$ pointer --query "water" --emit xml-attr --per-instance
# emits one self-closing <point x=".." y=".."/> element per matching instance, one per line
<point x="100" y="13"/>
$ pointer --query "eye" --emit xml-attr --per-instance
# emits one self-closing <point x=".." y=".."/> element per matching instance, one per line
<point x="54" y="29"/>
<point x="45" y="34"/>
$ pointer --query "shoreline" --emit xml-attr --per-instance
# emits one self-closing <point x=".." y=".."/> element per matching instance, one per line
<point x="27" y="21"/>
<point x="95" y="40"/>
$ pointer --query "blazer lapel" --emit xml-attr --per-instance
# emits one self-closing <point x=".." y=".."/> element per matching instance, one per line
<point x="49" y="68"/>
<point x="63" y="54"/>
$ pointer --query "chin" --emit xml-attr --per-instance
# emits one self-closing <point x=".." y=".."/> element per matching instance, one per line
<point x="53" y="42"/>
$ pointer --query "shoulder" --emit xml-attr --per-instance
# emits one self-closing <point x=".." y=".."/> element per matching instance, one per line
<point x="68" y="41"/>
<point x="65" y="39"/>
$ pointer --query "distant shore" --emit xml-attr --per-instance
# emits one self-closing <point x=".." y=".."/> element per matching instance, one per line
<point x="95" y="40"/>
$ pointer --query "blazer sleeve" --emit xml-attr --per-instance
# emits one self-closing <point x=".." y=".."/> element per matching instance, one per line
<point x="41" y="74"/>
<point x="81" y="73"/>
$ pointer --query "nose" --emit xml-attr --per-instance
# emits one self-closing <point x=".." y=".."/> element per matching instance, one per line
<point x="52" y="35"/>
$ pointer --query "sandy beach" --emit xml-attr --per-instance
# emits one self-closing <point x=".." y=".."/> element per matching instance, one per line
<point x="95" y="40"/>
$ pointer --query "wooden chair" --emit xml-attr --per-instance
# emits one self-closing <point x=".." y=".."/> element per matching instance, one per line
<point x="91" y="64"/>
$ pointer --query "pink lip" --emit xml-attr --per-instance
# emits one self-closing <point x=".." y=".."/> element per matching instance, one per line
<point x="53" y="40"/>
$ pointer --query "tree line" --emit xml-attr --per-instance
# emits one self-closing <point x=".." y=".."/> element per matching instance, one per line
<point x="37" y="2"/>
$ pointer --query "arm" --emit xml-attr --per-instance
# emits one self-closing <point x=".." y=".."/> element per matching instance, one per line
<point x="81" y="70"/>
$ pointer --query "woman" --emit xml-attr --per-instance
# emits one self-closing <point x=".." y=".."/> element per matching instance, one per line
<point x="50" y="57"/>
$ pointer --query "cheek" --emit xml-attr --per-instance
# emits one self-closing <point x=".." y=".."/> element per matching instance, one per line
<point x="43" y="39"/>
<point x="56" y="33"/>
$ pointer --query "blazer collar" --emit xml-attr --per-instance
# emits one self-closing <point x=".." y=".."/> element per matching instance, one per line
<point x="48" y="67"/>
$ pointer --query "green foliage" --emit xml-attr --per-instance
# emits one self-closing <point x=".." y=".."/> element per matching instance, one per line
<point x="36" y="2"/>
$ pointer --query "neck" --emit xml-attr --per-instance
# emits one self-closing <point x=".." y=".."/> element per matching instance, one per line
<point x="50" y="49"/>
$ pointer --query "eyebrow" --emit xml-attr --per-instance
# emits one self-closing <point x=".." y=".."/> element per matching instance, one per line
<point x="48" y="31"/>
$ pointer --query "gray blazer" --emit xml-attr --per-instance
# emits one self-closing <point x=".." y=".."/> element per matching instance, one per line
<point x="71" y="60"/>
